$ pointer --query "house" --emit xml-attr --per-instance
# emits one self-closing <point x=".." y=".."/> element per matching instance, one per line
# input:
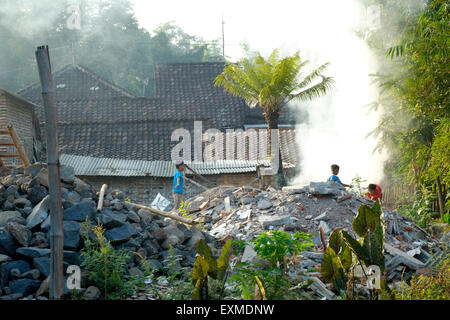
<point x="110" y="136"/>
<point x="19" y="113"/>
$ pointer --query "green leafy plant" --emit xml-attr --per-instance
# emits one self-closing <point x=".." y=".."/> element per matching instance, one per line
<point x="270" y="281"/>
<point x="419" y="210"/>
<point x="206" y="267"/>
<point x="107" y="267"/>
<point x="422" y="287"/>
<point x="338" y="257"/>
<point x="276" y="245"/>
<point x="356" y="185"/>
<point x="184" y="209"/>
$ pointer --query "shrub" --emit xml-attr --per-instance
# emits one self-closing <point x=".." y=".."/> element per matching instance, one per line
<point x="107" y="267"/>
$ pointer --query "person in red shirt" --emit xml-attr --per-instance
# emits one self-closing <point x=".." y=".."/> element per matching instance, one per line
<point x="374" y="192"/>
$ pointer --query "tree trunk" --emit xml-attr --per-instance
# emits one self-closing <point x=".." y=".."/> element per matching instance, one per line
<point x="272" y="123"/>
<point x="440" y="197"/>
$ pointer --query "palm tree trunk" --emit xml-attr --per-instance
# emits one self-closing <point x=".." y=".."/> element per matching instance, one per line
<point x="272" y="123"/>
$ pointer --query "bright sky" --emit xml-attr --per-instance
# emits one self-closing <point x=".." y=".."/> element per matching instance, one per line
<point x="265" y="24"/>
<point x="323" y="31"/>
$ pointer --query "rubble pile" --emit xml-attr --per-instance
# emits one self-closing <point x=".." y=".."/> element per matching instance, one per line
<point x="244" y="212"/>
<point x="25" y="224"/>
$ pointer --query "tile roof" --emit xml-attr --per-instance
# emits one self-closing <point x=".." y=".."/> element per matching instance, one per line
<point x="110" y="123"/>
<point x="74" y="82"/>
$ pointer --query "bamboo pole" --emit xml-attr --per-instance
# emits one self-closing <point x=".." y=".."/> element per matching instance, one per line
<point x="162" y="213"/>
<point x="101" y="197"/>
<point x="56" y="225"/>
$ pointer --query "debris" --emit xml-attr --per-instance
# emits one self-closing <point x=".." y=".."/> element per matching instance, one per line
<point x="160" y="203"/>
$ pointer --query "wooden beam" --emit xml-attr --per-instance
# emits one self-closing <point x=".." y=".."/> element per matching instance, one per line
<point x="196" y="183"/>
<point x="162" y="213"/>
<point x="19" y="147"/>
<point x="9" y="155"/>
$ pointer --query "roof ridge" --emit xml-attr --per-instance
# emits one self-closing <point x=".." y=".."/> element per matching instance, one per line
<point x="86" y="70"/>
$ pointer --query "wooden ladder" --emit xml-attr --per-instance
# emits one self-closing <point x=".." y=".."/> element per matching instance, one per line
<point x="14" y="141"/>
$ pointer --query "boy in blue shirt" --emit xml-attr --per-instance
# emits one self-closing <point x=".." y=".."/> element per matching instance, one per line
<point x="334" y="177"/>
<point x="178" y="185"/>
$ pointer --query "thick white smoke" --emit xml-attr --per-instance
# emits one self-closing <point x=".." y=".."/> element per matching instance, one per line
<point x="338" y="123"/>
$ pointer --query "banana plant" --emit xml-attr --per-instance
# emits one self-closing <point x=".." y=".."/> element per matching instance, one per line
<point x="206" y="266"/>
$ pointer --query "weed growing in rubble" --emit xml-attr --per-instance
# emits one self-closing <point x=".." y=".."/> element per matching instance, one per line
<point x="419" y="210"/>
<point x="107" y="267"/>
<point x="356" y="185"/>
<point x="422" y="287"/>
<point x="270" y="280"/>
<point x="180" y="286"/>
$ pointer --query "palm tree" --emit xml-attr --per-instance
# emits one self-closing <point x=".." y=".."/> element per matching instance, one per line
<point x="271" y="84"/>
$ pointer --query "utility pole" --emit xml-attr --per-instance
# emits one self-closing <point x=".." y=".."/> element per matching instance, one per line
<point x="223" y="38"/>
<point x="56" y="224"/>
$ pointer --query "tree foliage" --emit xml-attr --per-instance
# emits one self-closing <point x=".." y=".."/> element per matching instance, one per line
<point x="110" y="42"/>
<point x="414" y="98"/>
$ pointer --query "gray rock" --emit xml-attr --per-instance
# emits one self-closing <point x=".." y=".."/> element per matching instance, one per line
<point x="120" y="234"/>
<point x="67" y="174"/>
<point x="264" y="204"/>
<point x="20" y="233"/>
<point x="322" y="216"/>
<point x="275" y="220"/>
<point x="249" y="255"/>
<point x="110" y="219"/>
<point x="39" y="240"/>
<point x="171" y="241"/>
<point x="403" y="258"/>
<point x="80" y="212"/>
<point x="7" y="216"/>
<point x="39" y="213"/>
<point x="159" y="234"/>
<point x="24" y="286"/>
<point x="33" y="252"/>
<point x="71" y="234"/>
<point x="247" y="200"/>
<point x="172" y="230"/>
<point x="43" y="265"/>
<point x="92" y="293"/>
<point x="37" y="193"/>
<point x="155" y="265"/>
<point x="73" y="197"/>
<point x="7" y="206"/>
<point x="12" y="296"/>
<point x="12" y="190"/>
<point x="7" y="243"/>
<point x="151" y="246"/>
<point x="317" y="256"/>
<point x="325" y="188"/>
<point x="4" y="258"/>
<point x="133" y="217"/>
<point x="22" y="203"/>
<point x="45" y="225"/>
<point x="6" y="267"/>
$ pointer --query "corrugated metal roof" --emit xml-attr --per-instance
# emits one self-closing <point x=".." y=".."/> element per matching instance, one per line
<point x="90" y="166"/>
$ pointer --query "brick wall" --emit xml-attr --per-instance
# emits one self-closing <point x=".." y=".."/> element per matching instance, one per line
<point x="143" y="190"/>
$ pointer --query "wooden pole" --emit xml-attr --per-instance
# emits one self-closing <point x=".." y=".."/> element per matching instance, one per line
<point x="101" y="197"/>
<point x="161" y="213"/>
<point x="56" y="224"/>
